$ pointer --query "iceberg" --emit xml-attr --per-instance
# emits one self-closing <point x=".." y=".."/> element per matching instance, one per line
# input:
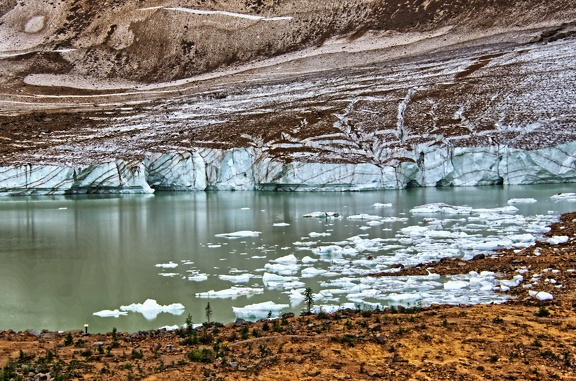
<point x="239" y="234"/>
<point x="109" y="313"/>
<point x="150" y="309"/>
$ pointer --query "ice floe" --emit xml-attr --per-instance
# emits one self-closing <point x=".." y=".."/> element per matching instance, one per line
<point x="564" y="197"/>
<point x="290" y="258"/>
<point x="381" y="205"/>
<point x="239" y="234"/>
<point x="259" y="310"/>
<point x="522" y="201"/>
<point x="240" y="278"/>
<point x="363" y="217"/>
<point x="110" y="313"/>
<point x="169" y="265"/>
<point x="232" y="292"/>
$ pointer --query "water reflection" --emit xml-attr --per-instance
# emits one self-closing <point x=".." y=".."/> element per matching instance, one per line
<point x="64" y="258"/>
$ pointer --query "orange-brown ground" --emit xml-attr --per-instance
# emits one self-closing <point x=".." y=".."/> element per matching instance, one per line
<point x="524" y="339"/>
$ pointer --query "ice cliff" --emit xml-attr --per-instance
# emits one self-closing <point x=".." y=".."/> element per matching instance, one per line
<point x="244" y="169"/>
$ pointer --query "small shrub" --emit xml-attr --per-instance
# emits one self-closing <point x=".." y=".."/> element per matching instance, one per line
<point x="548" y="354"/>
<point x="69" y="340"/>
<point x="537" y="343"/>
<point x="497" y="320"/>
<point x="203" y="355"/>
<point x="542" y="312"/>
<point x="244" y="332"/>
<point x="137" y="354"/>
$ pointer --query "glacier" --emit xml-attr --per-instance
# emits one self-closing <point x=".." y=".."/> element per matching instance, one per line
<point x="248" y="169"/>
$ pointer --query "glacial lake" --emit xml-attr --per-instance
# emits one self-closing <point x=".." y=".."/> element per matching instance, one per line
<point x="65" y="258"/>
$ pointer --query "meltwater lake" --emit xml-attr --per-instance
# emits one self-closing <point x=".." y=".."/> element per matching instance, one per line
<point x="145" y="262"/>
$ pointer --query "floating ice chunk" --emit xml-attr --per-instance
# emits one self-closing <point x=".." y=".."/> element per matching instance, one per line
<point x="214" y="246"/>
<point x="557" y="239"/>
<point x="322" y="215"/>
<point x="315" y="234"/>
<point x="308" y="259"/>
<point x="110" y="313"/>
<point x="442" y="208"/>
<point x="310" y="272"/>
<point x="239" y="234"/>
<point x="382" y="205"/>
<point x="375" y="223"/>
<point x="281" y="224"/>
<point x="305" y="243"/>
<point x="394" y="219"/>
<point x="414" y="231"/>
<point x="360" y="296"/>
<point x="274" y="279"/>
<point x="169" y="327"/>
<point x="198" y="277"/>
<point x="522" y="201"/>
<point x="258" y="310"/>
<point x="150" y="309"/>
<point x="169" y="265"/>
<point x="292" y="285"/>
<point x="363" y="217"/>
<point x="328" y="250"/>
<point x="296" y="296"/>
<point x="282" y="269"/>
<point x="169" y="274"/>
<point x="232" y="292"/>
<point x="445" y="234"/>
<point x="291" y="258"/>
<point x="241" y="278"/>
<point x="404" y="297"/>
<point x="455" y="284"/>
<point x="564" y="197"/>
<point x="502" y="210"/>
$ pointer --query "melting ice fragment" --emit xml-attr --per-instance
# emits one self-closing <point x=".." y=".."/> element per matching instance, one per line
<point x="521" y="201"/>
<point x="150" y="309"/>
<point x="258" y="310"/>
<point x="363" y="217"/>
<point x="436" y="208"/>
<point x="232" y="292"/>
<point x="109" y="313"/>
<point x="169" y="265"/>
<point x="382" y="205"/>
<point x="291" y="258"/>
<point x="239" y="234"/>
<point x="241" y="278"/>
<point x="280" y="224"/>
<point x="564" y="197"/>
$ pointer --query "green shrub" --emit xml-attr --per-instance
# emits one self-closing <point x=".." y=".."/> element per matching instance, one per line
<point x="204" y="355"/>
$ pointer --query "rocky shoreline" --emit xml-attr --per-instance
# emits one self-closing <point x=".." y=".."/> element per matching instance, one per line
<point x="525" y="338"/>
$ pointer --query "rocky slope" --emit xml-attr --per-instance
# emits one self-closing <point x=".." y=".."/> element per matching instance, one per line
<point x="132" y="96"/>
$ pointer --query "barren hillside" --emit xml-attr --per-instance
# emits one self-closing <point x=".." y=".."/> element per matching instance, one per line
<point x="341" y="82"/>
